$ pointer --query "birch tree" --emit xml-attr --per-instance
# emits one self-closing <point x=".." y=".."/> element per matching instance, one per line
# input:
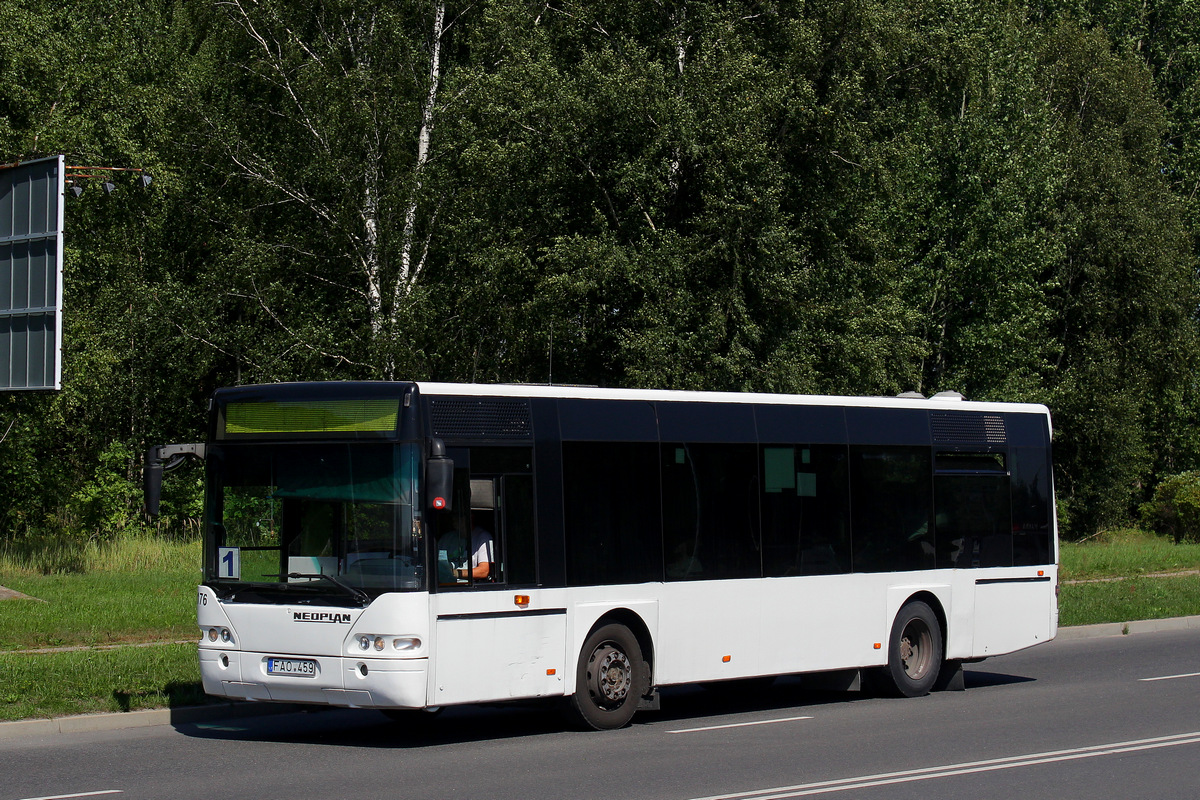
<point x="321" y="119"/>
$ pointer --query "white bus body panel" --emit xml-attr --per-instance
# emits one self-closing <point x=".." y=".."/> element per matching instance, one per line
<point x="1010" y="616"/>
<point x="489" y="648"/>
<point x="484" y="647"/>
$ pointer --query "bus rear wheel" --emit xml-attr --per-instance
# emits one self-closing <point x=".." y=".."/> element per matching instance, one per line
<point x="915" y="650"/>
<point x="610" y="679"/>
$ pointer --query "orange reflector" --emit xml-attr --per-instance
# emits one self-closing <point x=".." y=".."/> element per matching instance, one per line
<point x="878" y="646"/>
<point x="521" y="600"/>
<point x="1041" y="572"/>
<point x="551" y="671"/>
<point x="726" y="659"/>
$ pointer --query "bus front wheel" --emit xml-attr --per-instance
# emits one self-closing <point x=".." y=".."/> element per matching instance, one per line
<point x="610" y="679"/>
<point x="915" y="650"/>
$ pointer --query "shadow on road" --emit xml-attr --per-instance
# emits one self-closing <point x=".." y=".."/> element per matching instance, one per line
<point x="976" y="679"/>
<point x="464" y="724"/>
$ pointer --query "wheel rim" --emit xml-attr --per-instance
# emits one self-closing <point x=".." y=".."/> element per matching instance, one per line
<point x="916" y="649"/>
<point x="609" y="676"/>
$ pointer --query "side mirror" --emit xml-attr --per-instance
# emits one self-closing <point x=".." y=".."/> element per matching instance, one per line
<point x="153" y="469"/>
<point x="152" y="474"/>
<point x="439" y="477"/>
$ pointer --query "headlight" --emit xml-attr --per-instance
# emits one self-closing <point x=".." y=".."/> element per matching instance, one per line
<point x="364" y="642"/>
<point x="212" y="634"/>
<point x="226" y="636"/>
<point x="378" y="642"/>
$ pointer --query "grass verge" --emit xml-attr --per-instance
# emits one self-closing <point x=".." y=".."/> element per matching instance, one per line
<point x="1125" y="553"/>
<point x="98" y="608"/>
<point x="1129" y="599"/>
<point x="92" y="681"/>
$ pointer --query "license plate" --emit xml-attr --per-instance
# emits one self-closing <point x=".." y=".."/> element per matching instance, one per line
<point x="298" y="667"/>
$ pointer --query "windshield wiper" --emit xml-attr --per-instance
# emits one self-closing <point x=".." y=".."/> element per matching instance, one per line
<point x="357" y="594"/>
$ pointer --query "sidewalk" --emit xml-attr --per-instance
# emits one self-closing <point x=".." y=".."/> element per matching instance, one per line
<point x="143" y="719"/>
<point x="227" y="711"/>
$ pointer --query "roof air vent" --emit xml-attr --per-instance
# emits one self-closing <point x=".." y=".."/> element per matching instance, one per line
<point x="947" y="396"/>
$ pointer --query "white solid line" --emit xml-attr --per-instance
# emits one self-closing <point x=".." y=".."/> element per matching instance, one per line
<point x="1171" y="677"/>
<point x="80" y="794"/>
<point x="967" y="768"/>
<point x="739" y="725"/>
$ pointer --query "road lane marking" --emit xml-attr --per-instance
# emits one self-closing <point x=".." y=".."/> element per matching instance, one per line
<point x="80" y="794"/>
<point x="739" y="725"/>
<point x="1171" y="677"/>
<point x="966" y="768"/>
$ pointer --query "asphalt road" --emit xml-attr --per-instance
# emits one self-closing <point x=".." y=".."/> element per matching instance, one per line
<point x="1093" y="718"/>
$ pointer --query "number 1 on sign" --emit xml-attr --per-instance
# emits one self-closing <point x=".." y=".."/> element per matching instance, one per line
<point x="229" y="563"/>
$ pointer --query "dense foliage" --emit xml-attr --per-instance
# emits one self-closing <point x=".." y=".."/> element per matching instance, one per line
<point x="1174" y="509"/>
<point x="861" y="197"/>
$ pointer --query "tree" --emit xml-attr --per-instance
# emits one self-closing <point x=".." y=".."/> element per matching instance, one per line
<point x="322" y="136"/>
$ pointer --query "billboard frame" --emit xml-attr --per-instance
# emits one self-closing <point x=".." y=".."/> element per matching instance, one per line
<point x="31" y="237"/>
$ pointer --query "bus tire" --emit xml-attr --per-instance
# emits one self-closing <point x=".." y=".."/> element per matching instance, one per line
<point x="915" y="650"/>
<point x="610" y="679"/>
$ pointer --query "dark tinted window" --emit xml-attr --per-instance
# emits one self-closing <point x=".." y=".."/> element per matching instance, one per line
<point x="613" y="520"/>
<point x="895" y="426"/>
<point x="1031" y="507"/>
<point x="710" y="511"/>
<point x="813" y="424"/>
<point x="805" y="510"/>
<point x="891" y="508"/>
<point x="1027" y="430"/>
<point x="607" y="421"/>
<point x="973" y="523"/>
<point x="706" y="422"/>
<point x="517" y="505"/>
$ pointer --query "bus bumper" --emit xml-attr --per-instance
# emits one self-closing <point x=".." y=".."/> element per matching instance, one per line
<point x="338" y="681"/>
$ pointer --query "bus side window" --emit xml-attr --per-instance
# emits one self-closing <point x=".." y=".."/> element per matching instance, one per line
<point x="806" y="510"/>
<point x="891" y="495"/>
<point x="1032" y="508"/>
<point x="710" y="511"/>
<point x="517" y="565"/>
<point x="972" y="510"/>
<point x="613" y="516"/>
<point x="492" y="521"/>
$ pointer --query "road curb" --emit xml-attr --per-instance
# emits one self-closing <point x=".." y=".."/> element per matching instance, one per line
<point x="144" y="719"/>
<point x="1126" y="628"/>
<point x="229" y="711"/>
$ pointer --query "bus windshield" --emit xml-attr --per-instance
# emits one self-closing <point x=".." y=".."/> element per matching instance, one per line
<point x="314" y="517"/>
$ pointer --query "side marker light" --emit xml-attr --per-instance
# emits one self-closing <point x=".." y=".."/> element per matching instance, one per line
<point x="726" y="659"/>
<point x="878" y="646"/>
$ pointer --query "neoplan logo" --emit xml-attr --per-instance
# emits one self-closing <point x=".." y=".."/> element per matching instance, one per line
<point x="319" y="616"/>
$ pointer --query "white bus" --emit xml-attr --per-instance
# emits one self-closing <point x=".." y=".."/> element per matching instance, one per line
<point x="623" y="540"/>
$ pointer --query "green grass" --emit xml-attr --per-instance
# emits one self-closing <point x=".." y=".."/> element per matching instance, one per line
<point x="99" y="608"/>
<point x="141" y="551"/>
<point x="134" y="590"/>
<point x="1129" y="599"/>
<point x="91" y="681"/>
<point x="1124" y="553"/>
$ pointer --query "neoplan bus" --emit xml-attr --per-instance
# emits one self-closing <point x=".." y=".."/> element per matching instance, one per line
<point x="638" y="539"/>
